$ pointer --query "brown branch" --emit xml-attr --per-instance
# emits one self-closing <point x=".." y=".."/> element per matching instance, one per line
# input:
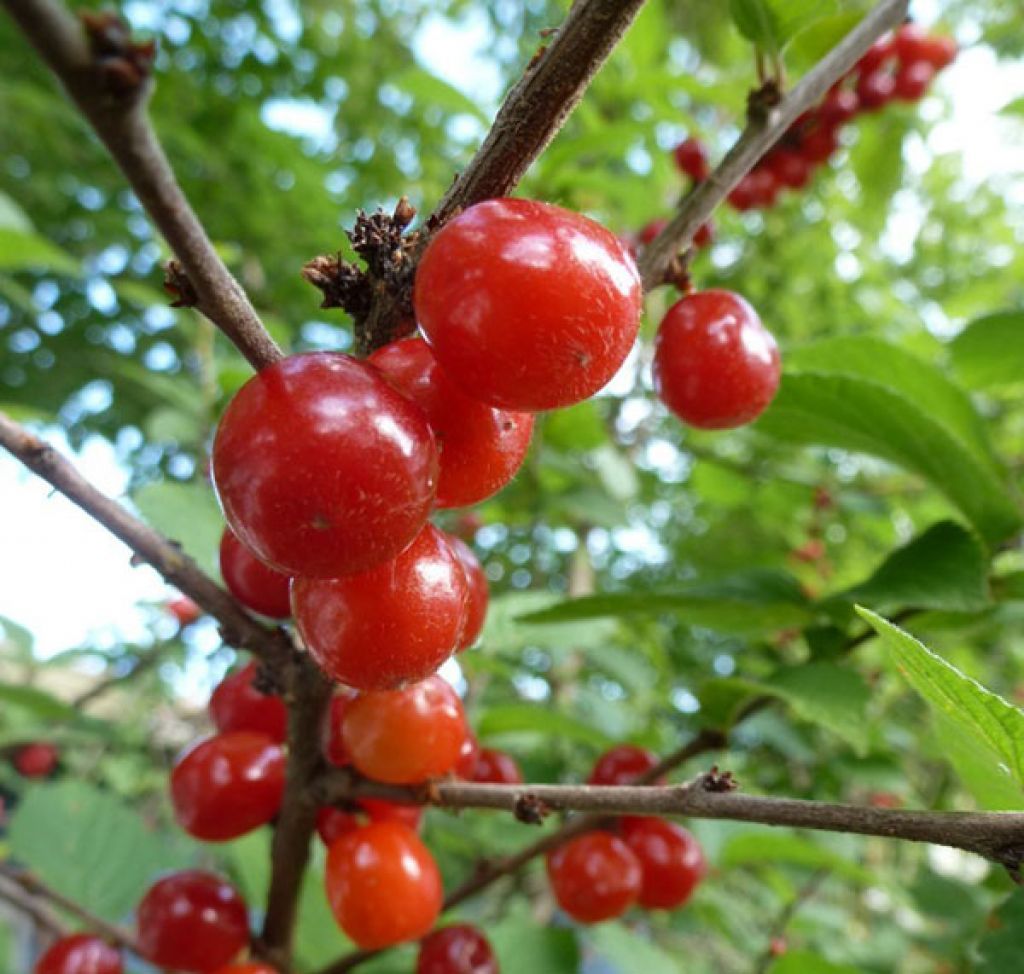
<point x="761" y="133"/>
<point x="32" y="906"/>
<point x="112" y="93"/>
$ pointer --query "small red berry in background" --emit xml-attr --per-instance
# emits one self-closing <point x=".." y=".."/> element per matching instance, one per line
<point x="778" y="946"/>
<point x="257" y="586"/>
<point x="496" y="768"/>
<point x="818" y="145"/>
<point x="467" y="524"/>
<point x="528" y="306"/>
<point x="622" y="765"/>
<point x="383" y="885"/>
<point x="885" y="799"/>
<point x="715" y="365"/>
<point x="459" y="949"/>
<point x="477" y="591"/>
<point x="594" y="877"/>
<point x="227" y="785"/>
<point x="301" y="482"/>
<point x="912" y="80"/>
<point x="789" y="168"/>
<point x="741" y="196"/>
<point x="333" y="823"/>
<point x="390" y="625"/>
<point x="333" y="743"/>
<point x="876" y="56"/>
<point x="705" y="235"/>
<point x="236" y="705"/>
<point x="192" y="921"/>
<point x="875" y="90"/>
<point x="692" y="159"/>
<point x="378" y="810"/>
<point x="36" y="760"/>
<point x="184" y="610"/>
<point x="481" y="447"/>
<point x="670" y="858"/>
<point x="80" y="954"/>
<point x="650" y="230"/>
<point x="839" y="106"/>
<point x="406" y="736"/>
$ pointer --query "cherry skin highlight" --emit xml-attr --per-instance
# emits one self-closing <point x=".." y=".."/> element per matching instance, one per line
<point x="477" y="591"/>
<point x="481" y="447"/>
<point x="383" y="885"/>
<point x="496" y="768"/>
<point x="594" y="877"/>
<point x="227" y="785"/>
<point x="322" y="468"/>
<point x="912" y="80"/>
<point x="527" y="306"/>
<point x="621" y="765"/>
<point x="80" y="954"/>
<point x="192" y="921"/>
<point x="468" y="753"/>
<point x="257" y="586"/>
<point x="670" y="859"/>
<point x="459" y="949"/>
<point x="236" y="705"/>
<point x="389" y="626"/>
<point x="36" y="760"/>
<point x="715" y="365"/>
<point x="406" y="736"/>
<point x="875" y="90"/>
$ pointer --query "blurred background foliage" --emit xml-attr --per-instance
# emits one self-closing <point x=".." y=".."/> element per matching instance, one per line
<point x="722" y="567"/>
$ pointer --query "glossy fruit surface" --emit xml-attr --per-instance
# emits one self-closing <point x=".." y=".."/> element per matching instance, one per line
<point x="80" y="954"/>
<point x="408" y="735"/>
<point x="236" y="705"/>
<point x="477" y="591"/>
<point x="875" y="90"/>
<point x="227" y="785"/>
<point x="670" y="858"/>
<point x="481" y="447"/>
<point x="594" y="877"/>
<point x="878" y="54"/>
<point x="715" y="365"/>
<point x="839" y="106"/>
<point x="257" y="586"/>
<point x="333" y="744"/>
<point x="526" y="305"/>
<point x="692" y="159"/>
<point x="817" y="145"/>
<point x="621" y="765"/>
<point x="789" y="168"/>
<point x="192" y="921"/>
<point x="333" y="823"/>
<point x="496" y="768"/>
<point x="389" y="626"/>
<point x="912" y="80"/>
<point x="468" y="753"/>
<point x="459" y="949"/>
<point x="36" y="760"/>
<point x="383" y="885"/>
<point x="322" y="468"/>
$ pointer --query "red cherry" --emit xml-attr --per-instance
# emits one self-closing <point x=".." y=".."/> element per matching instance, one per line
<point x="594" y="877"/>
<point x="378" y="810"/>
<point x="333" y="745"/>
<point x="765" y="187"/>
<point x="526" y="305"/>
<point x="468" y="753"/>
<point x="36" y="760"/>
<point x="333" y="823"/>
<point x="839" y="106"/>
<point x="383" y="885"/>
<point x="406" y="736"/>
<point x="622" y="765"/>
<point x="236" y="705"/>
<point x="742" y="196"/>
<point x="184" y="610"/>
<point x="705" y="235"/>
<point x="322" y="468"/>
<point x="908" y="42"/>
<point x="939" y="51"/>
<point x="477" y="591"/>
<point x="257" y="586"/>
<point x="670" y="858"/>
<point x="913" y="79"/>
<point x="817" y="145"/>
<point x="778" y="946"/>
<point x="227" y="785"/>
<point x="876" y="55"/>
<point x="496" y="768"/>
<point x="789" y="168"/>
<point x="715" y="365"/>
<point x="459" y="949"/>
<point x="692" y="159"/>
<point x="481" y="447"/>
<point x="192" y="921"/>
<point x="875" y="90"/>
<point x="650" y="230"/>
<point x="79" y="954"/>
<point x="390" y="625"/>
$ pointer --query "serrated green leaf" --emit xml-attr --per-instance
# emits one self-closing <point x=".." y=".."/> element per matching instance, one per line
<point x="186" y="513"/>
<point x="761" y="848"/>
<point x="771" y="23"/>
<point x="25" y="250"/>
<point x="999" y="949"/>
<point x="12" y="216"/>
<point x="990" y="351"/>
<point x="810" y="44"/>
<point x="628" y="952"/>
<point x="807" y="962"/>
<point x="975" y="766"/>
<point x="521" y="945"/>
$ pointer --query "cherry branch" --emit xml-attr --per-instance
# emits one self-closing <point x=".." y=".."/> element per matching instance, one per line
<point x="111" y="91"/>
<point x="32" y="906"/>
<point x="763" y="130"/>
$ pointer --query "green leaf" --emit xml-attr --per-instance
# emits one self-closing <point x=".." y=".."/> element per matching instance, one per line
<point x="1013" y="107"/>
<point x="12" y="216"/>
<point x="577" y="428"/>
<point x="17" y="634"/>
<point x="428" y="89"/>
<point x="975" y="766"/>
<point x="943" y="568"/>
<point x="810" y="44"/>
<point x="999" y="949"/>
<point x="186" y="513"/>
<point x="762" y="848"/>
<point x="541" y="720"/>
<point x="522" y="945"/>
<point x="990" y="351"/>
<point x="995" y="725"/>
<point x="25" y="250"/>
<point x="629" y="952"/>
<point x="807" y="962"/>
<point x="771" y="23"/>
<point x="39" y="702"/>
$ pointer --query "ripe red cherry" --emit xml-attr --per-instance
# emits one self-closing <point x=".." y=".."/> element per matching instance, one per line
<point x="910" y="43"/>
<point x="938" y="51"/>
<point x="875" y="90"/>
<point x="741" y="196"/>
<point x="468" y="753"/>
<point x="715" y="365"/>
<point x="459" y="949"/>
<point x="594" y="877"/>
<point x="333" y="745"/>
<point x="496" y="768"/>
<point x="333" y="823"/>
<point x="192" y="921"/>
<point x="406" y="736"/>
<point x="184" y="610"/>
<point x="705" y="235"/>
<point x="257" y="586"/>
<point x="692" y="159"/>
<point x="875" y="56"/>
<point x="670" y="858"/>
<point x="817" y="145"/>
<point x="650" y="230"/>
<point x="477" y="591"/>
<point x="227" y="785"/>
<point x="383" y="885"/>
<point x="390" y="625"/>
<point x="378" y="810"/>
<point x="622" y="765"/>
<point x="322" y="468"/>
<point x="789" y="168"/>
<point x="236" y="705"/>
<point x="839" y="106"/>
<point x="912" y="80"/>
<point x="80" y="954"/>
<point x="526" y="305"/>
<point x="36" y="760"/>
<point x="481" y="447"/>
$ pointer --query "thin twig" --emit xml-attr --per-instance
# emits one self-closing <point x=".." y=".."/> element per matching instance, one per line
<point x="32" y="906"/>
<point x="785" y="917"/>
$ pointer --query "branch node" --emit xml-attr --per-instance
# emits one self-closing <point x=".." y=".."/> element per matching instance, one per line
<point x="343" y="284"/>
<point x="531" y="810"/>
<point x="719" y="781"/>
<point x="761" y="101"/>
<point x="124" y="65"/>
<point x="178" y="286"/>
